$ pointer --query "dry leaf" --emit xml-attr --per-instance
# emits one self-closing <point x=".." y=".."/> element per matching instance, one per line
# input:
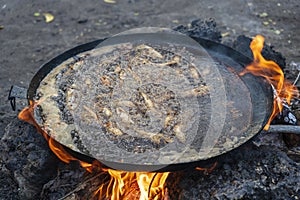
<point x="48" y="17"/>
<point x="225" y="34"/>
<point x="277" y="32"/>
<point x="109" y="1"/>
<point x="266" y="23"/>
<point x="264" y="14"/>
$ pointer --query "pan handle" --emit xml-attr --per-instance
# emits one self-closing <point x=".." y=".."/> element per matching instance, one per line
<point x="16" y="92"/>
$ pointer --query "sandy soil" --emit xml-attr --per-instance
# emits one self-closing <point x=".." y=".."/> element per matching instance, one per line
<point x="27" y="41"/>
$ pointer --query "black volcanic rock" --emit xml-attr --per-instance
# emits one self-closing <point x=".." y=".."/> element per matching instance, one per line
<point x="242" y="44"/>
<point x="201" y="28"/>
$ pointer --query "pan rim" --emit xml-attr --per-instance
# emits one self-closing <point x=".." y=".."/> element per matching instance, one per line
<point x="51" y="64"/>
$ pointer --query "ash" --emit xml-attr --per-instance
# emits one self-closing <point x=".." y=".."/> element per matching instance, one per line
<point x="251" y="172"/>
<point x="261" y="169"/>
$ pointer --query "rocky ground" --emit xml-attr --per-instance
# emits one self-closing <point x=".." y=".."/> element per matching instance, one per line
<point x="264" y="169"/>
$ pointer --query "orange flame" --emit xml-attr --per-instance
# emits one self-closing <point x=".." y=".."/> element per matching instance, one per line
<point x="207" y="170"/>
<point x="134" y="185"/>
<point x="27" y="115"/>
<point x="122" y="185"/>
<point x="268" y="69"/>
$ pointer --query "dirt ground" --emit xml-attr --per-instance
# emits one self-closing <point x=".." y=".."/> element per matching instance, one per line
<point x="27" y="40"/>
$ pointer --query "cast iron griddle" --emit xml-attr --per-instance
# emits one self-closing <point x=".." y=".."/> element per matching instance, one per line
<point x="150" y="97"/>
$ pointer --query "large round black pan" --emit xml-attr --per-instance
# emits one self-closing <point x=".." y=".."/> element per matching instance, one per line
<point x="239" y="107"/>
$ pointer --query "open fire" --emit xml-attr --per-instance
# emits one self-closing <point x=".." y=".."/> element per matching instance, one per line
<point x="133" y="185"/>
<point x="283" y="89"/>
<point x="122" y="185"/>
<point x="146" y="185"/>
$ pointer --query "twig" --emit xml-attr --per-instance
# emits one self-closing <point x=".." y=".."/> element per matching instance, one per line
<point x="79" y="187"/>
<point x="150" y="185"/>
<point x="297" y="79"/>
<point x="284" y="129"/>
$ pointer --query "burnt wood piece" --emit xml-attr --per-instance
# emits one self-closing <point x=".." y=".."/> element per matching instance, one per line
<point x="242" y="44"/>
<point x="201" y="29"/>
<point x="284" y="129"/>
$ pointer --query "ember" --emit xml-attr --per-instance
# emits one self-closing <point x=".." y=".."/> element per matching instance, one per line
<point x="284" y="90"/>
